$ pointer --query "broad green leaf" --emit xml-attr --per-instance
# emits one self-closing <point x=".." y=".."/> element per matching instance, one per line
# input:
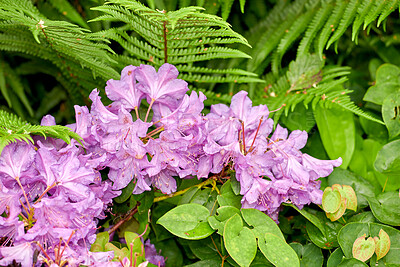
<point x="208" y="263"/>
<point x="363" y="249"/>
<point x="261" y="223"/>
<point x="311" y="217"/>
<point x="217" y="222"/>
<point x="339" y="213"/>
<point x="146" y="201"/>
<point x="374" y="130"/>
<point x="365" y="217"/>
<point x="240" y="241"/>
<point x="102" y="239"/>
<point x="310" y="255"/>
<point x="171" y="252"/>
<point x="204" y="249"/>
<point x="351" y="197"/>
<point x="188" y="221"/>
<point x="359" y="184"/>
<point x="351" y="231"/>
<point x="326" y="239"/>
<point x="382" y="244"/>
<point x="331" y="200"/>
<point x="277" y="251"/>
<point x="188" y="195"/>
<point x="387" y="82"/>
<point x="337" y="130"/>
<point x="385" y="207"/>
<point x="388" y="158"/>
<point x="228" y="197"/>
<point x="352" y="263"/>
<point x="133" y="238"/>
<point x="119" y="254"/>
<point x="391" y="114"/>
<point x="125" y="193"/>
<point x="235" y="184"/>
<point x="299" y="119"/>
<point x="335" y="258"/>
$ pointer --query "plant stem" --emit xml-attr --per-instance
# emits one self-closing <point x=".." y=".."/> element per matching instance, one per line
<point x="181" y="192"/>
<point x="127" y="218"/>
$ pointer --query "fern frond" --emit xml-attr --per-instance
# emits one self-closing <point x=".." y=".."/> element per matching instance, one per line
<point x="74" y="51"/>
<point x="308" y="82"/>
<point x="13" y="128"/>
<point x="182" y="37"/>
<point x="313" y="28"/>
<point x="318" y="24"/>
<point x="390" y="6"/>
<point x="330" y="26"/>
<point x="348" y="17"/>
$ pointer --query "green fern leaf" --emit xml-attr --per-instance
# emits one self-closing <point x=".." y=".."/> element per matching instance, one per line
<point x="348" y="17"/>
<point x="390" y="6"/>
<point x="13" y="128"/>
<point x="313" y="28"/>
<point x="374" y="12"/>
<point x="330" y="26"/>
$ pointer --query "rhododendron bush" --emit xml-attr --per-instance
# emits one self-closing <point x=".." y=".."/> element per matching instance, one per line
<point x="53" y="194"/>
<point x="197" y="133"/>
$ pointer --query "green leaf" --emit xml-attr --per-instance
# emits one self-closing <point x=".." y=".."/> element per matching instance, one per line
<point x="337" y="130"/>
<point x="387" y="82"/>
<point x="388" y="158"/>
<point x="311" y="217"/>
<point x="391" y="114"/>
<point x="217" y="222"/>
<point x="331" y="200"/>
<point x="299" y="119"/>
<point x="125" y="193"/>
<point x="350" y="196"/>
<point x="261" y="223"/>
<point x="382" y="244"/>
<point x="352" y="263"/>
<point x="277" y="251"/>
<point x="208" y="263"/>
<point x="188" y="221"/>
<point x="133" y="238"/>
<point x="363" y="249"/>
<point x="171" y="252"/>
<point x="102" y="239"/>
<point x="351" y="231"/>
<point x="385" y="207"/>
<point x="360" y="185"/>
<point x="240" y="241"/>
<point x="326" y="239"/>
<point x="205" y="250"/>
<point x="119" y="254"/>
<point x="339" y="213"/>
<point x="335" y="258"/>
<point x="310" y="255"/>
<point x="228" y="197"/>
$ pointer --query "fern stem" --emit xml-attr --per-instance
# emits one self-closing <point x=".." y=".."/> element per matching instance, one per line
<point x="165" y="41"/>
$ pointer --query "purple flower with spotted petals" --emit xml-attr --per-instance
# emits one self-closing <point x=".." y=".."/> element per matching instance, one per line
<point x="125" y="92"/>
<point x="16" y="162"/>
<point x="162" y="87"/>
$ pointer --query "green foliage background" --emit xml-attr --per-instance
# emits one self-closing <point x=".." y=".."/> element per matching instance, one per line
<point x="328" y="67"/>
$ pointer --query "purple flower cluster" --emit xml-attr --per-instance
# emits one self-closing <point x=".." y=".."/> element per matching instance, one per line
<point x="271" y="170"/>
<point x="150" y="153"/>
<point x="51" y="198"/>
<point x="181" y="142"/>
<point x="51" y="194"/>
